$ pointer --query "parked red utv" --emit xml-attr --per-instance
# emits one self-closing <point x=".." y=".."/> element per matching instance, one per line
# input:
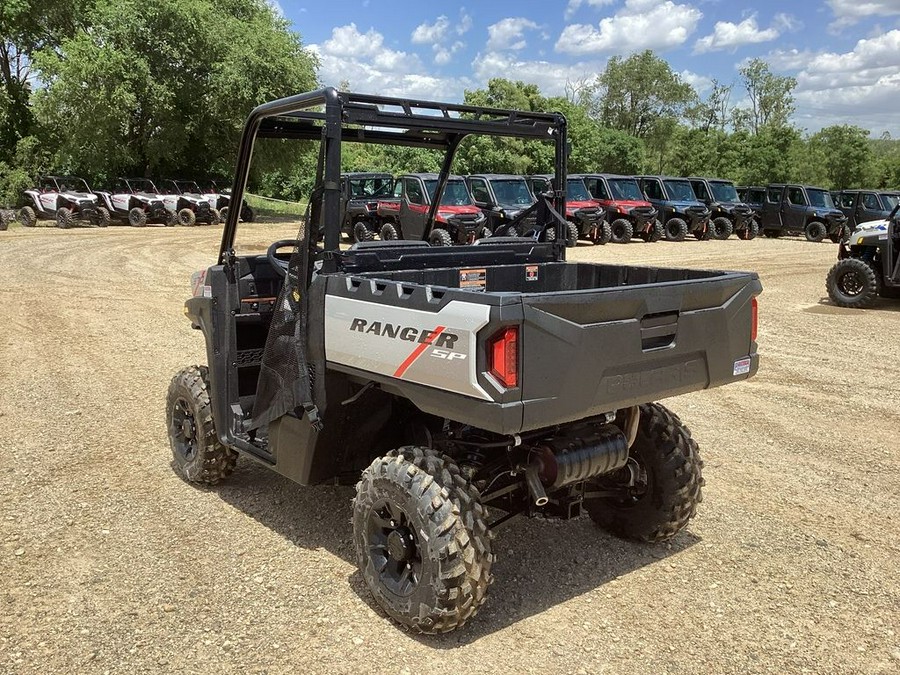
<point x="457" y="221"/>
<point x="585" y="219"/>
<point x="627" y="211"/>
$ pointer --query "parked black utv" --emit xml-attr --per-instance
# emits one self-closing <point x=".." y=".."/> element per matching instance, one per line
<point x="729" y="213"/>
<point x="865" y="206"/>
<point x="801" y="209"/>
<point x="502" y="198"/>
<point x="360" y="193"/>
<point x="868" y="265"/>
<point x="455" y="386"/>
<point x="679" y="210"/>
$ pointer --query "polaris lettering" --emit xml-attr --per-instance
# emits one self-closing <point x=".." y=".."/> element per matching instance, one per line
<point x="443" y="340"/>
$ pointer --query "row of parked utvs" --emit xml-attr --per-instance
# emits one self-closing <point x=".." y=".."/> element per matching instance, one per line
<point x="600" y="208"/>
<point x="67" y="200"/>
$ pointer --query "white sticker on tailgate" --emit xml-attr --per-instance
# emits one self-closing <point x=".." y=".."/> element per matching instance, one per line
<point x="742" y="366"/>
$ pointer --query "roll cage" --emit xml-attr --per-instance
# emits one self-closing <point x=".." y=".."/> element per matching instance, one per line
<point x="333" y="117"/>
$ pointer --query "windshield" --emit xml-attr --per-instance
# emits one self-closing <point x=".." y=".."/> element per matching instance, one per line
<point x="73" y="184"/>
<point x="680" y="191"/>
<point x="625" y="189"/>
<point x="576" y="191"/>
<point x="724" y="192"/>
<point x="143" y="185"/>
<point x="820" y="199"/>
<point x="188" y="186"/>
<point x="455" y="194"/>
<point x="375" y="186"/>
<point x="512" y="191"/>
<point x="890" y="201"/>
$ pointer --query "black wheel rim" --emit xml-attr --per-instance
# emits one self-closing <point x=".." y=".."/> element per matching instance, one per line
<point x="850" y="283"/>
<point x="184" y="429"/>
<point x="394" y="548"/>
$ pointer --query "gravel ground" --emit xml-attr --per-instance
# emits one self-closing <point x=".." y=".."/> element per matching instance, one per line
<point x="110" y="563"/>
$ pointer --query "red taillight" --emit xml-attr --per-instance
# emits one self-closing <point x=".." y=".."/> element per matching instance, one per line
<point x="754" y="319"/>
<point x="503" y="356"/>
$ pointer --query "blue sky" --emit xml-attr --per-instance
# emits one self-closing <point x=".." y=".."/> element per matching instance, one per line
<point x="845" y="54"/>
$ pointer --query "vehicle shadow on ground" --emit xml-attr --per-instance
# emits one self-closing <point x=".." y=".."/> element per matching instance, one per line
<point x="826" y="306"/>
<point x="540" y="563"/>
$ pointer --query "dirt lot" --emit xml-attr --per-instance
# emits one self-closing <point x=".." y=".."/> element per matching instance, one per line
<point x="110" y="563"/>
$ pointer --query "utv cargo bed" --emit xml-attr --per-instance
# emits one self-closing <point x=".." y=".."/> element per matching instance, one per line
<point x="592" y="338"/>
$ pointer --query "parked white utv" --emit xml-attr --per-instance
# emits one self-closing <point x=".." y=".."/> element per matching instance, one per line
<point x="136" y="201"/>
<point x="66" y="199"/>
<point x="187" y="205"/>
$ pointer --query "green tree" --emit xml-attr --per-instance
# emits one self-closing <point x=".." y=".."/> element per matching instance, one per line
<point x="164" y="86"/>
<point x="26" y="27"/>
<point x="844" y="154"/>
<point x="639" y="94"/>
<point x="505" y="155"/>
<point x="771" y="98"/>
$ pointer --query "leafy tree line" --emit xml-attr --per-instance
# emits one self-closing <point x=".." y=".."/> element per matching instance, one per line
<point x="153" y="87"/>
<point x="142" y="87"/>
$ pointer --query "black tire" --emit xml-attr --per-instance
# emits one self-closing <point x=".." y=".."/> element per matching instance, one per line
<point x="749" y="231"/>
<point x="248" y="215"/>
<point x="721" y="228"/>
<point x="815" y="231"/>
<point x="361" y="232"/>
<point x="669" y="481"/>
<point x="137" y="217"/>
<point x="622" y="231"/>
<point x="853" y="283"/>
<point x="549" y="233"/>
<point x="27" y="216"/>
<point x="215" y="217"/>
<point x="186" y="218"/>
<point x="704" y="233"/>
<point x="422" y="540"/>
<point x="602" y="234"/>
<point x="772" y="234"/>
<point x="198" y="456"/>
<point x="571" y="234"/>
<point x="5" y="217"/>
<point x="64" y="218"/>
<point x="102" y="219"/>
<point x="389" y="232"/>
<point x="655" y="233"/>
<point x="223" y="213"/>
<point x="676" y="229"/>
<point x="440" y="237"/>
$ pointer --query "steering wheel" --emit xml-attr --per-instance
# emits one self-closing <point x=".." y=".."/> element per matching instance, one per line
<point x="280" y="266"/>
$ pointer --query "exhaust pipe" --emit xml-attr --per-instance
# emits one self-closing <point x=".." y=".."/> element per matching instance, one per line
<point x="572" y="459"/>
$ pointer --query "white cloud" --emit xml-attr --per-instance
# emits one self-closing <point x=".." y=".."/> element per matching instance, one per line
<point x="509" y="33"/>
<point x="442" y="55"/>
<point x="700" y="83"/>
<point x="550" y="77"/>
<point x="438" y="33"/>
<point x="639" y="24"/>
<point x="728" y="35"/>
<point x="857" y="9"/>
<point x="429" y="33"/>
<point x="371" y="67"/>
<point x="575" y="5"/>
<point x="861" y="86"/>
